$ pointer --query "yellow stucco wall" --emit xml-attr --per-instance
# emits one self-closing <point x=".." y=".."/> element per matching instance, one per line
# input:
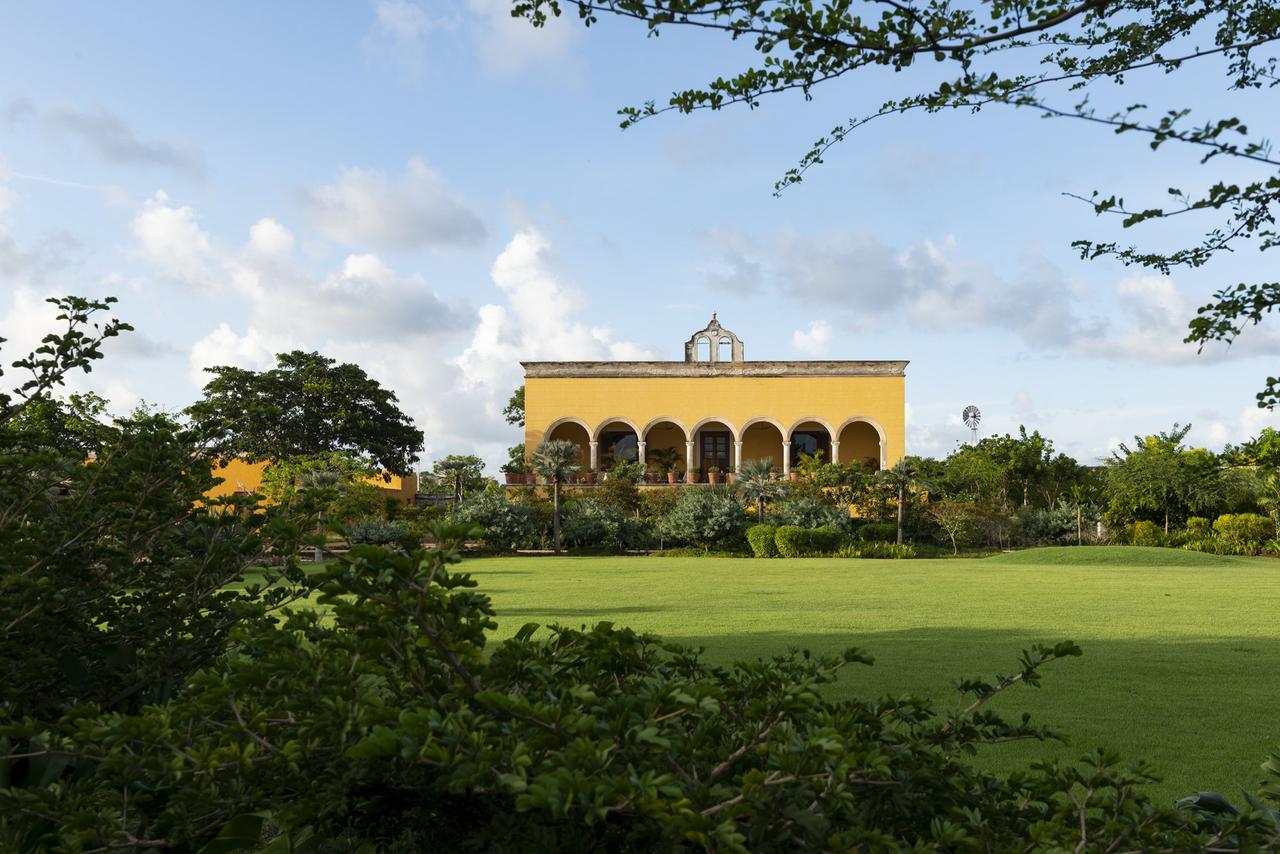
<point x="784" y="401"/>
<point x="241" y="476"/>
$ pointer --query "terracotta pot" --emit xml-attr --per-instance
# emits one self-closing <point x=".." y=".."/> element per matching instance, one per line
<point x="589" y="477"/>
<point x="731" y="477"/>
<point x="672" y="477"/>
<point x="795" y="475"/>
<point x="713" y="477"/>
<point x="691" y="477"/>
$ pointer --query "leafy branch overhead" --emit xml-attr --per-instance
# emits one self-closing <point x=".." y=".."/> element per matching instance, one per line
<point x="1054" y="59"/>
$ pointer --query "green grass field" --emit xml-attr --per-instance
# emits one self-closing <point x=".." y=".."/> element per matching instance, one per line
<point x="1182" y="652"/>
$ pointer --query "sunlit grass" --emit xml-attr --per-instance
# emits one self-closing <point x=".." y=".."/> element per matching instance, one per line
<point x="1181" y="649"/>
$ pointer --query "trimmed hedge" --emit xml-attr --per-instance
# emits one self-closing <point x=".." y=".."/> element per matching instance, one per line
<point x="794" y="541"/>
<point x="878" y="532"/>
<point x="761" y="538"/>
<point x="1243" y="532"/>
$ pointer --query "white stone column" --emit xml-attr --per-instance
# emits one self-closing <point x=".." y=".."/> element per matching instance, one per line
<point x="786" y="459"/>
<point x="688" y="457"/>
<point x="594" y="447"/>
<point x="835" y="451"/>
<point x="737" y="456"/>
<point x="640" y="453"/>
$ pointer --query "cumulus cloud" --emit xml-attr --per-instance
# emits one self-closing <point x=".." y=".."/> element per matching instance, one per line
<point x="509" y="45"/>
<point x="536" y="323"/>
<point x="109" y="135"/>
<point x="171" y="239"/>
<point x="813" y="341"/>
<point x="413" y="211"/>
<point x="505" y="45"/>
<point x="861" y="282"/>
<point x="400" y="29"/>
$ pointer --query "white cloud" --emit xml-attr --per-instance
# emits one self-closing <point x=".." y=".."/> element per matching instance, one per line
<point x="110" y="136"/>
<point x="537" y="323"/>
<point x="815" y="340"/>
<point x="399" y="32"/>
<point x="415" y="211"/>
<point x="505" y="45"/>
<point x="170" y="238"/>
<point x="509" y="45"/>
<point x="8" y="196"/>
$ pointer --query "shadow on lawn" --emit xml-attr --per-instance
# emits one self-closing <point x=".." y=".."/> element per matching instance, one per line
<point x="578" y="612"/>
<point x="1199" y="709"/>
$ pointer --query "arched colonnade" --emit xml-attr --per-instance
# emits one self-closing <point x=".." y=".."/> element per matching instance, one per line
<point x="720" y="442"/>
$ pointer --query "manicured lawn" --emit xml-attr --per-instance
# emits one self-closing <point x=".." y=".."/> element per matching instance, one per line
<point x="1182" y="651"/>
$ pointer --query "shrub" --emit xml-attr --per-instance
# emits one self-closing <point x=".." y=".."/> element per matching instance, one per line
<point x="878" y="532"/>
<point x="1243" y="533"/>
<point x="1145" y="533"/>
<point x="1037" y="525"/>
<point x="1198" y="526"/>
<point x="761" y="539"/>
<point x="507" y="524"/>
<point x="807" y="512"/>
<point x="878" y="550"/>
<point x="706" y="518"/>
<point x="379" y="532"/>
<point x="794" y="541"/>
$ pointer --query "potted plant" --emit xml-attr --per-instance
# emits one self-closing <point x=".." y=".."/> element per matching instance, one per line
<point x="516" y="469"/>
<point x="691" y="476"/>
<point x="713" y="475"/>
<point x="730" y="475"/>
<point x="673" y="476"/>
<point x="665" y="459"/>
<point x="588" y="477"/>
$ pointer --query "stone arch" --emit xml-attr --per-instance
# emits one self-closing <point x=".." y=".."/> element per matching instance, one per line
<point x="644" y="434"/>
<point x="665" y="444"/>
<point x="855" y="444"/>
<point x="573" y="430"/>
<point x="620" y="443"/>
<point x="560" y="422"/>
<point x="714" y="419"/>
<point x="809" y="436"/>
<point x="619" y="419"/>
<point x="762" y="438"/>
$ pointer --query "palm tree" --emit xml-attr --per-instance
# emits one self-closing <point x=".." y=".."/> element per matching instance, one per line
<point x="903" y="475"/>
<point x="1269" y="498"/>
<point x="555" y="459"/>
<point x="757" y="482"/>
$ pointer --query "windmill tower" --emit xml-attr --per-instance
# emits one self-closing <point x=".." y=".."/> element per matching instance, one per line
<point x="972" y="416"/>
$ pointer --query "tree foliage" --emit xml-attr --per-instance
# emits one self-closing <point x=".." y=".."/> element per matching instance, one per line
<point x="397" y="724"/>
<point x="1159" y="475"/>
<point x="307" y="404"/>
<point x="1051" y="58"/>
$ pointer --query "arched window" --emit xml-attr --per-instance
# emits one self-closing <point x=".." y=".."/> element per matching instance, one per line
<point x="726" y="350"/>
<point x="704" y="349"/>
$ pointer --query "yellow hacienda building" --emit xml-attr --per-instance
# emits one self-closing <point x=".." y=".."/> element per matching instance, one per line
<point x="716" y="409"/>
<point x="241" y="478"/>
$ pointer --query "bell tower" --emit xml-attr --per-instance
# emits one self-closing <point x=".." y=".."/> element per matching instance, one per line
<point x="718" y="339"/>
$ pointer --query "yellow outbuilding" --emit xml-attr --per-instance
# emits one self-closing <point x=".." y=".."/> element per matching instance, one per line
<point x="715" y="409"/>
<point x="240" y="477"/>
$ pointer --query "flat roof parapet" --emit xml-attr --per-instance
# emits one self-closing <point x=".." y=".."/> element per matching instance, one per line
<point x="806" y="368"/>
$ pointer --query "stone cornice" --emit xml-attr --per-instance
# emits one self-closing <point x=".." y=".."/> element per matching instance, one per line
<point x="546" y="370"/>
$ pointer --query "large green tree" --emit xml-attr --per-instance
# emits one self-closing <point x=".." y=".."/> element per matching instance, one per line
<point x="1159" y="475"/>
<point x="1051" y="58"/>
<point x="118" y="577"/>
<point x="306" y="405"/>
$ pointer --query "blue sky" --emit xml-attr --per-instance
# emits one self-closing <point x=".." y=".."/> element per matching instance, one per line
<point x="436" y="191"/>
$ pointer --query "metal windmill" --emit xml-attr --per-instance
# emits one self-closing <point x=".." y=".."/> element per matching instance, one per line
<point x="971" y="417"/>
